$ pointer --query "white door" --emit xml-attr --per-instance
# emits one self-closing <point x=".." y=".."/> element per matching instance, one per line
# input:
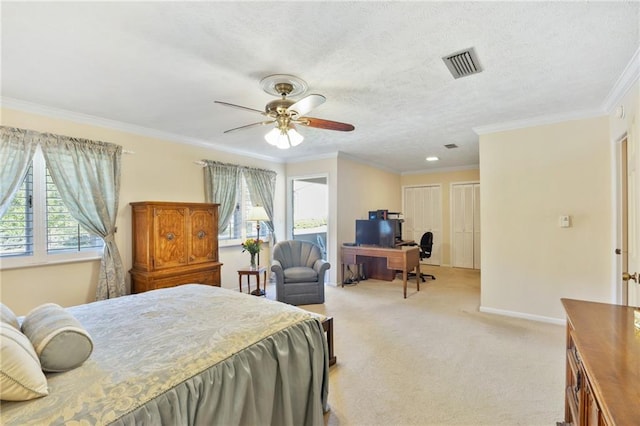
<point x="422" y="212"/>
<point x="465" y="224"/>
<point x="633" y="212"/>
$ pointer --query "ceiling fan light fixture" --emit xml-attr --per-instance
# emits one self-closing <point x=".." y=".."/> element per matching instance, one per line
<point x="284" y="139"/>
<point x="295" y="137"/>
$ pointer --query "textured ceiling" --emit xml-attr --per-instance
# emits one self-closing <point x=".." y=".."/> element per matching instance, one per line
<point x="160" y="65"/>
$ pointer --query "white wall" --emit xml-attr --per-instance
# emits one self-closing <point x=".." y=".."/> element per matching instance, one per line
<point x="529" y="178"/>
<point x="160" y="170"/>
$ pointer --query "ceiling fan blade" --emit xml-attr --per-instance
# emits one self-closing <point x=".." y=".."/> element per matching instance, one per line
<point x="325" y="124"/>
<point x="307" y="103"/>
<point x="240" y="107"/>
<point x="260" y="123"/>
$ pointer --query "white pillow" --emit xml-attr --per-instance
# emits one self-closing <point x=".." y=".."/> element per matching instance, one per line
<point x="59" y="339"/>
<point x="21" y="377"/>
<point x="7" y="316"/>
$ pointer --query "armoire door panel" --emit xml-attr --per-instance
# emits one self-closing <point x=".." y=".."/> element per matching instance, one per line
<point x="171" y="237"/>
<point x="203" y="226"/>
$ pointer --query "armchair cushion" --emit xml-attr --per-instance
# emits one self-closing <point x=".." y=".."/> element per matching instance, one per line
<point x="300" y="274"/>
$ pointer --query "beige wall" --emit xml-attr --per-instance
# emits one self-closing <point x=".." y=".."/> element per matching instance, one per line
<point x="445" y="180"/>
<point x="362" y="188"/>
<point x="159" y="170"/>
<point x="529" y="177"/>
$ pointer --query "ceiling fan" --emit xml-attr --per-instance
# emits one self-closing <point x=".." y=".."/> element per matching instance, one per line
<point x="286" y="113"/>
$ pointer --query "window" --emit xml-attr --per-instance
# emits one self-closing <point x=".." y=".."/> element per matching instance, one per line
<point x="38" y="228"/>
<point x="239" y="227"/>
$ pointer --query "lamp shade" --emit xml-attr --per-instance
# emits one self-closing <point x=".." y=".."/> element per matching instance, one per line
<point x="258" y="213"/>
<point x="284" y="139"/>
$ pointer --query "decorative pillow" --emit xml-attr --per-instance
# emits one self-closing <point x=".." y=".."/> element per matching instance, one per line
<point x="59" y="339"/>
<point x="21" y="377"/>
<point x="7" y="316"/>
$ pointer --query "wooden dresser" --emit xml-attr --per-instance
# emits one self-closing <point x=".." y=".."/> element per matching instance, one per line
<point x="603" y="365"/>
<point x="173" y="244"/>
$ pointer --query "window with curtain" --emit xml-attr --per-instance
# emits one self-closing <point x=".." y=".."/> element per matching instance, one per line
<point x="38" y="228"/>
<point x="239" y="227"/>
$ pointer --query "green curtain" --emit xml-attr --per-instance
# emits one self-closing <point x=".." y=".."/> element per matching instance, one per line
<point x="262" y="187"/>
<point x="220" y="187"/>
<point x="87" y="175"/>
<point x="16" y="152"/>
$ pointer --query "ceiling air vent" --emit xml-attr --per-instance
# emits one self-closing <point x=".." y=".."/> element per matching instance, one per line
<point x="463" y="63"/>
<point x="451" y="146"/>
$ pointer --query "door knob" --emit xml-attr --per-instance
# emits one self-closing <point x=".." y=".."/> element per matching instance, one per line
<point x="627" y="276"/>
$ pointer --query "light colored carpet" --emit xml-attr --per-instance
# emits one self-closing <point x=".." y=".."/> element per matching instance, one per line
<point x="434" y="359"/>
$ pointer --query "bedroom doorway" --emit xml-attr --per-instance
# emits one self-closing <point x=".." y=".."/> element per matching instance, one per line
<point x="629" y="217"/>
<point x="310" y="210"/>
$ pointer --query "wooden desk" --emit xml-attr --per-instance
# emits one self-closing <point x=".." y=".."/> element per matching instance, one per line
<point x="603" y="365"/>
<point x="248" y="271"/>
<point x="404" y="258"/>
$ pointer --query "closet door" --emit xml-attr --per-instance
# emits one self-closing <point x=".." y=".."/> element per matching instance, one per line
<point x="465" y="220"/>
<point x="423" y="212"/>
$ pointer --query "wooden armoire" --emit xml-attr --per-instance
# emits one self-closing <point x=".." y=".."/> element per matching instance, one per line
<point x="173" y="244"/>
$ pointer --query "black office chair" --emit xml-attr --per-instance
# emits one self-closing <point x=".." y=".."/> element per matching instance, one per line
<point x="426" y="245"/>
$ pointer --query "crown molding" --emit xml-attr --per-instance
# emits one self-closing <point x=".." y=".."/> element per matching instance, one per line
<point x="32" y="108"/>
<point x="538" y="121"/>
<point x="628" y="78"/>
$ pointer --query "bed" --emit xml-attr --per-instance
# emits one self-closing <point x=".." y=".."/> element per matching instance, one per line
<point x="189" y="355"/>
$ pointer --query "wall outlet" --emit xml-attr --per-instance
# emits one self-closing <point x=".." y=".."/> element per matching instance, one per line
<point x="565" y="221"/>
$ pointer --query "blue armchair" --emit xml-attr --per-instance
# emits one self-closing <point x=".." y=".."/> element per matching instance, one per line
<point x="300" y="272"/>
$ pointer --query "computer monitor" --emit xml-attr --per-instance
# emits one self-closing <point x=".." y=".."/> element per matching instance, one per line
<point x="376" y="232"/>
<point x="367" y="232"/>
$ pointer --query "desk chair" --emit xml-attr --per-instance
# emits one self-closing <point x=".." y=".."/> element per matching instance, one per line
<point x="426" y="245"/>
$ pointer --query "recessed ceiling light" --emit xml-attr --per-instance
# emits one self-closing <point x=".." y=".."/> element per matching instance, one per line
<point x="432" y="158"/>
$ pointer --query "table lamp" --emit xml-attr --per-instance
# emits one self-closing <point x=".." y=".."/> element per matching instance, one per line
<point x="258" y="213"/>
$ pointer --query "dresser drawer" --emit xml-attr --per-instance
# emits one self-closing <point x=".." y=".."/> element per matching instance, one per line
<point x="194" y="278"/>
<point x="146" y="282"/>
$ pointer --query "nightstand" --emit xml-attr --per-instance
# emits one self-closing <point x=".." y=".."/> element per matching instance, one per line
<point x="256" y="271"/>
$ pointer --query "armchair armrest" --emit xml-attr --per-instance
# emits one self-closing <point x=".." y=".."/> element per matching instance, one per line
<point x="276" y="267"/>
<point x="321" y="266"/>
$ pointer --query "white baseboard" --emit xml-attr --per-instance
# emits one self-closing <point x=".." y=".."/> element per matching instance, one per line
<point x="523" y="315"/>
